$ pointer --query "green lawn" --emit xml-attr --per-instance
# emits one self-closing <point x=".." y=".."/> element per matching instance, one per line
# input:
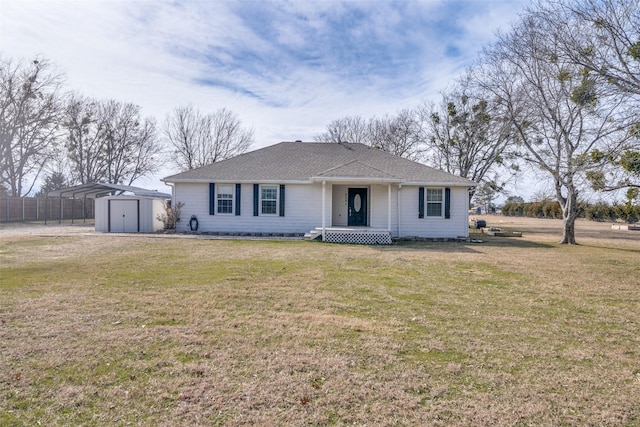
<point x="107" y="330"/>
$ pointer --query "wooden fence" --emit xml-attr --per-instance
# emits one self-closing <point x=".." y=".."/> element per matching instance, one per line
<point x="41" y="209"/>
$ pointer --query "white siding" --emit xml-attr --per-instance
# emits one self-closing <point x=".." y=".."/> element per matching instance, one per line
<point x="440" y="227"/>
<point x="379" y="212"/>
<point x="303" y="205"/>
<point x="340" y="202"/>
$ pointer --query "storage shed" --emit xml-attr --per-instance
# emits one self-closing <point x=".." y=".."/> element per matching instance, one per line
<point x="118" y="208"/>
<point x="129" y="214"/>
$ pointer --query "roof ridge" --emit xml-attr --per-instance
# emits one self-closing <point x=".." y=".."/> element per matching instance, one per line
<point x="338" y="167"/>
<point x="379" y="170"/>
<point x="358" y="161"/>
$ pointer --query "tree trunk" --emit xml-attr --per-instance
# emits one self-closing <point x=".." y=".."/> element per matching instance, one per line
<point x="569" y="232"/>
<point x="569" y="215"/>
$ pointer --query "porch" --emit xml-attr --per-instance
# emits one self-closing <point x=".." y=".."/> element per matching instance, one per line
<point x="353" y="235"/>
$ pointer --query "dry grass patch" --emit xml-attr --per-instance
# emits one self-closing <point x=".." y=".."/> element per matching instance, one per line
<point x="104" y="330"/>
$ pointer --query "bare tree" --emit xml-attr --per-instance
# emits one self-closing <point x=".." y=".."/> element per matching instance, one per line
<point x="227" y="137"/>
<point x="467" y="135"/>
<point x="183" y="130"/>
<point x="602" y="36"/>
<point x="131" y="148"/>
<point x="56" y="178"/>
<point x="199" y="140"/>
<point x="398" y="134"/>
<point x="561" y="112"/>
<point x="30" y="107"/>
<point x="486" y="194"/>
<point x="109" y="141"/>
<point x="84" y="139"/>
<point x="347" y="129"/>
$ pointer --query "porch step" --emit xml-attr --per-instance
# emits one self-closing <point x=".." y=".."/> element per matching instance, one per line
<point x="313" y="234"/>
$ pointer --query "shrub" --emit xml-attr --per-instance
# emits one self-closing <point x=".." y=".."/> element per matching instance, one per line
<point x="599" y="212"/>
<point x="171" y="215"/>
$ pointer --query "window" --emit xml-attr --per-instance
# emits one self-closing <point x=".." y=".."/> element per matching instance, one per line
<point x="225" y="199"/>
<point x="269" y="200"/>
<point x="434" y="201"/>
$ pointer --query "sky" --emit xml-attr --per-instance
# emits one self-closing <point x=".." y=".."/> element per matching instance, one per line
<point x="286" y="68"/>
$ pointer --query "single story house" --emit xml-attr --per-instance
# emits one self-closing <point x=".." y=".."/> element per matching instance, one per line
<point x="343" y="191"/>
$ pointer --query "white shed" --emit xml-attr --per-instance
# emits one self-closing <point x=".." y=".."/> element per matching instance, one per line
<point x="129" y="214"/>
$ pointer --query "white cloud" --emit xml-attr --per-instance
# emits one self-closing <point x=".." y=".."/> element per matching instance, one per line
<point x="286" y="67"/>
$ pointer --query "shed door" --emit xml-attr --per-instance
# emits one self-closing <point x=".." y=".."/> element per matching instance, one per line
<point x="123" y="216"/>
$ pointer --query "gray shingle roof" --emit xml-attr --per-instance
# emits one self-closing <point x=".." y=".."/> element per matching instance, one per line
<point x="356" y="169"/>
<point x="306" y="161"/>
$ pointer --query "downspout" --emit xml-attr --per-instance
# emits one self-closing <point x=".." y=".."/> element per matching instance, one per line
<point x="173" y="190"/>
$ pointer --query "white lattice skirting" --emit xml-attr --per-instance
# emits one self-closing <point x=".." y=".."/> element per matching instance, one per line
<point x="358" y="237"/>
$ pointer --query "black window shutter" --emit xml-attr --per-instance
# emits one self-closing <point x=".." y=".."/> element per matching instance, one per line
<point x="420" y="202"/>
<point x="281" y="199"/>
<point x="212" y="199"/>
<point x="447" y="203"/>
<point x="238" y="189"/>
<point x="256" y="199"/>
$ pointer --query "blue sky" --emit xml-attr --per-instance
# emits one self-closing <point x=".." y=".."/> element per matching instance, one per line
<point x="287" y="68"/>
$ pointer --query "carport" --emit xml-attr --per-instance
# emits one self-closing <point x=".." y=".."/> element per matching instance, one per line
<point x="94" y="191"/>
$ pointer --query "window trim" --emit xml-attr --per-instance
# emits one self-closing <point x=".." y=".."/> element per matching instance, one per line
<point x="276" y="200"/>
<point x="218" y="199"/>
<point x="427" y="202"/>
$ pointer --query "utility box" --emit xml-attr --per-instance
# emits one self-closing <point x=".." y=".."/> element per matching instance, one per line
<point x="480" y="223"/>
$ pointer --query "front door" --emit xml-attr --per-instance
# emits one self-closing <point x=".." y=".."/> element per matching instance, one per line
<point x="357" y="207"/>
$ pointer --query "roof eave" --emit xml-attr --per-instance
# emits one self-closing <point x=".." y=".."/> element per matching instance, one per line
<point x="355" y="179"/>
<point x="441" y="184"/>
<point x="235" y="181"/>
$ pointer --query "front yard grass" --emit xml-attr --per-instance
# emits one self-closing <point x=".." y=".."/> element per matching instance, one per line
<point x="105" y="330"/>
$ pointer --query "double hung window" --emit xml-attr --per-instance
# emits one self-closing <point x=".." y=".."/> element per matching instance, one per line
<point x="434" y="201"/>
<point x="269" y="200"/>
<point x="225" y="199"/>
